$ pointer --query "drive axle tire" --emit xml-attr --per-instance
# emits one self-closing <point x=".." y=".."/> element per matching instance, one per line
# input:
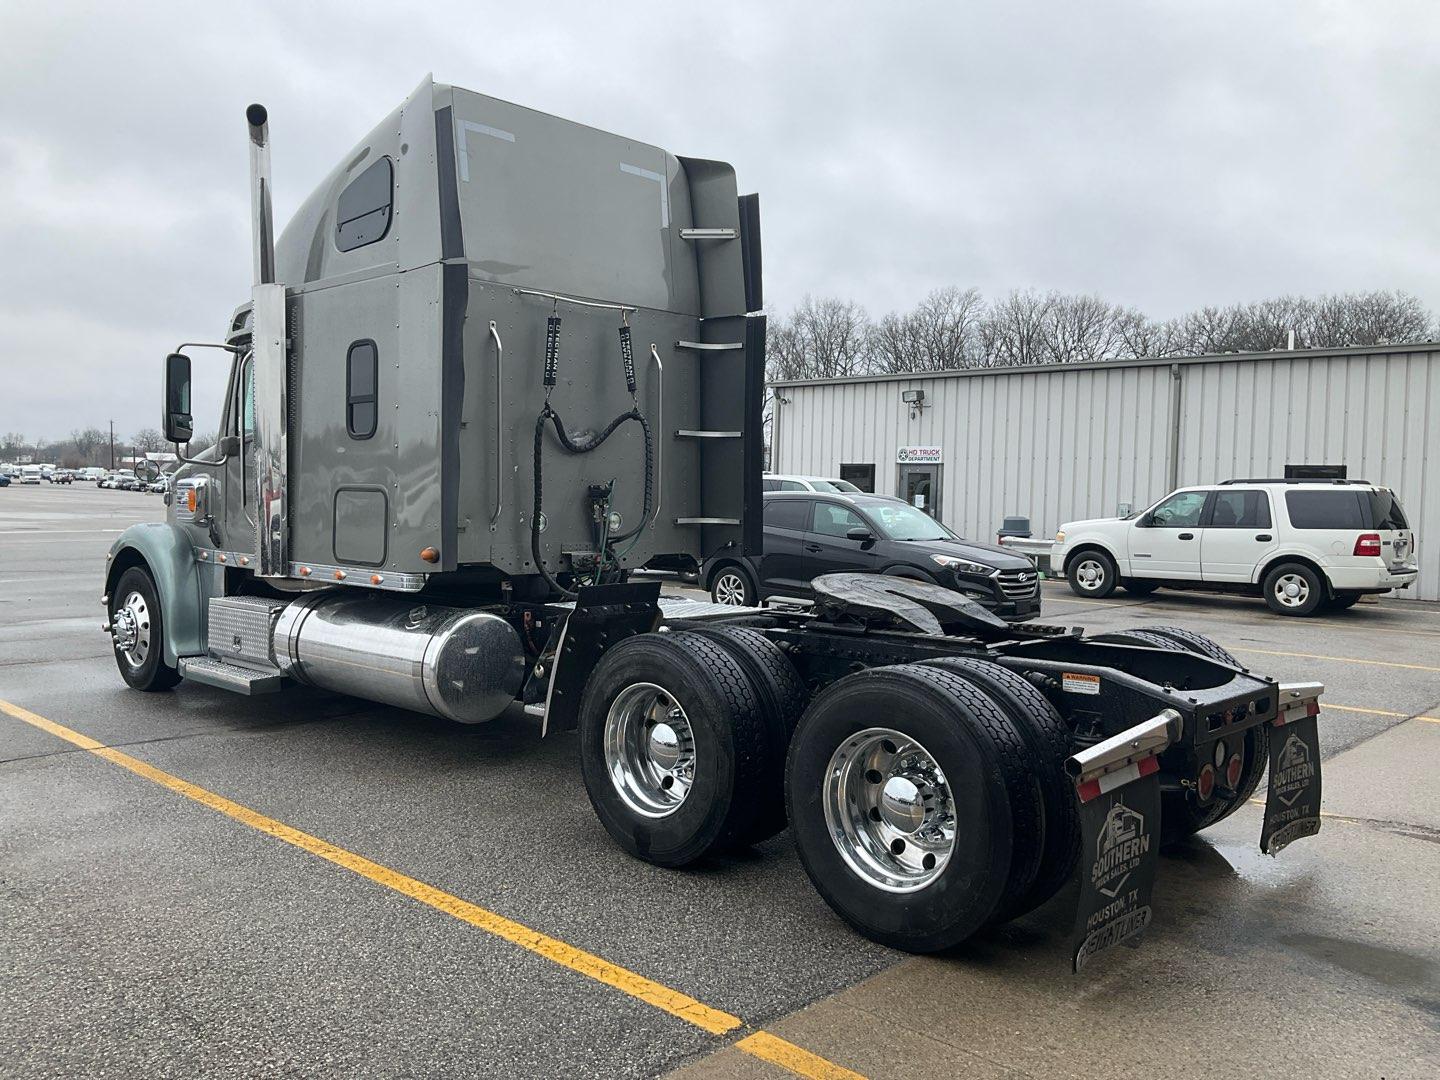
<point x="783" y="697"/>
<point x="138" y="632"/>
<point x="1293" y="589"/>
<point x="913" y="806"/>
<point x="1092" y="574"/>
<point x="673" y="747"/>
<point x="1180" y="815"/>
<point x="1047" y="740"/>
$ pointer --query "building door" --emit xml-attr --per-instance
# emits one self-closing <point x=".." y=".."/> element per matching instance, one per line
<point x="920" y="487"/>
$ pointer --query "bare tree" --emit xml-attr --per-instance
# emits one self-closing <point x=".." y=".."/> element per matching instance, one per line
<point x="942" y="333"/>
<point x="821" y="339"/>
<point x="88" y="441"/>
<point x="1013" y="330"/>
<point x="148" y="440"/>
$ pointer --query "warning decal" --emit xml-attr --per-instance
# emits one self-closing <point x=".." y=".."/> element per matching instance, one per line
<point x="1073" y="683"/>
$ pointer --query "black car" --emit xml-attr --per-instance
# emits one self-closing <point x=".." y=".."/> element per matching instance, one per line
<point x="809" y="534"/>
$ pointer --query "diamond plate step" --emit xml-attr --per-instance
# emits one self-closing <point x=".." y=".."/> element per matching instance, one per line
<point x="233" y="677"/>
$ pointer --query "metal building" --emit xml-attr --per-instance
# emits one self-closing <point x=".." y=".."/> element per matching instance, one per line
<point x="1057" y="443"/>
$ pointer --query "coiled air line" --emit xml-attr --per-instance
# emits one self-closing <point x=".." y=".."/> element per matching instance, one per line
<point x="584" y="442"/>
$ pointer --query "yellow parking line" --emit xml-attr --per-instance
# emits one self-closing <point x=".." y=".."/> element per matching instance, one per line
<point x="1326" y="706"/>
<point x="1343" y="659"/>
<point x="715" y="1021"/>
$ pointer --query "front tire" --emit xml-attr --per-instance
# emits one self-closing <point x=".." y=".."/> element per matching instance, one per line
<point x="1294" y="589"/>
<point x="733" y="586"/>
<point x="1092" y="574"/>
<point x="137" y="630"/>
<point x="673" y="747"/>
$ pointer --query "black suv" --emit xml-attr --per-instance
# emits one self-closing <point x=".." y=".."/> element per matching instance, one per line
<point x="809" y="534"/>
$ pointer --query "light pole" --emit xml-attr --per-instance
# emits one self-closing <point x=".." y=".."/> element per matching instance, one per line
<point x="112" y="445"/>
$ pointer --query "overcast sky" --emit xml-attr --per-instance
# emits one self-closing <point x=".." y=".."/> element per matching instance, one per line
<point x="1165" y="155"/>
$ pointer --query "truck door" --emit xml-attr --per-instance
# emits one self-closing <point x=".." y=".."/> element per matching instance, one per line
<point x="828" y="549"/>
<point x="782" y="565"/>
<point x="1239" y="532"/>
<point x="1165" y="543"/>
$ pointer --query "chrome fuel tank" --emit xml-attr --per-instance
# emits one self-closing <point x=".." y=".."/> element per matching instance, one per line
<point x="458" y="663"/>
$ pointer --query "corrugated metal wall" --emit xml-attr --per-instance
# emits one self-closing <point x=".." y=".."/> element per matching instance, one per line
<point x="1058" y="444"/>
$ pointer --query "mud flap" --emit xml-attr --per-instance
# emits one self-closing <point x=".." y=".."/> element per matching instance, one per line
<point x="1292" y="806"/>
<point x="1118" y="785"/>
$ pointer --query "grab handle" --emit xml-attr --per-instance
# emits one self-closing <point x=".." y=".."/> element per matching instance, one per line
<point x="499" y="418"/>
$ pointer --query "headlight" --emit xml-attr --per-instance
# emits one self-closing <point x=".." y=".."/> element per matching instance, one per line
<point x="1060" y="537"/>
<point x="962" y="566"/>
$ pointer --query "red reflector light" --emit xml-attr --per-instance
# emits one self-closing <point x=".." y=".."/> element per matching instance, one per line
<point x="1232" y="772"/>
<point x="1205" y="785"/>
<point x="1368" y="544"/>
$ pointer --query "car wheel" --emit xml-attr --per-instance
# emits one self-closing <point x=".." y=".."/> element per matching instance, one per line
<point x="1092" y="574"/>
<point x="732" y="585"/>
<point x="1139" y="586"/>
<point x="137" y="632"/>
<point x="1293" y="589"/>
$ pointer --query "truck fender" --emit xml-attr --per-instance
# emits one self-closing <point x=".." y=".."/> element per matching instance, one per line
<point x="165" y="551"/>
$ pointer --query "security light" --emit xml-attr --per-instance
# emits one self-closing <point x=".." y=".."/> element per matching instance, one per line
<point x="913" y="397"/>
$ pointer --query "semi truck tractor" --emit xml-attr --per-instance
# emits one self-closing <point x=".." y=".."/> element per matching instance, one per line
<point x="497" y="362"/>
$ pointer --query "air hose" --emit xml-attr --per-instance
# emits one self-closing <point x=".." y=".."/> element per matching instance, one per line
<point x="583" y="443"/>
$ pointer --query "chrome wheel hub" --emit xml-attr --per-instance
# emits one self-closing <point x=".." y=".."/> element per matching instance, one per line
<point x="1292" y="590"/>
<point x="890" y="810"/>
<point x="130" y="628"/>
<point x="1090" y="574"/>
<point x="649" y="750"/>
<point x="730" y="589"/>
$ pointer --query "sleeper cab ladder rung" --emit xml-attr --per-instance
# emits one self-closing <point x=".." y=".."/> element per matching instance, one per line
<point x="709" y="234"/>
<point x="706" y="521"/>
<point x="711" y="346"/>
<point x="692" y="433"/>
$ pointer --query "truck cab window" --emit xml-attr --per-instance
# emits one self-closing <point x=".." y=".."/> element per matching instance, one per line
<point x="363" y="213"/>
<point x="362" y="373"/>
<point x="247" y="400"/>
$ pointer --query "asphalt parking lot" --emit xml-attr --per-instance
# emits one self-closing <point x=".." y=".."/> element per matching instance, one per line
<point x="147" y="931"/>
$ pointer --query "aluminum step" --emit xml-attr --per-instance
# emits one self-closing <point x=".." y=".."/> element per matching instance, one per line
<point x="236" y="678"/>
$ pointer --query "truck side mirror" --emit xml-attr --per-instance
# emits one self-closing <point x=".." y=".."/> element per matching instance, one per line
<point x="178" y="424"/>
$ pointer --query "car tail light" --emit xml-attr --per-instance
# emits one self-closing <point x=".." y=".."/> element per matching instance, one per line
<point x="1368" y="544"/>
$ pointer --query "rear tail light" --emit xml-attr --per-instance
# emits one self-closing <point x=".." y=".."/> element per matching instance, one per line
<point x="1368" y="544"/>
<point x="1205" y="782"/>
<point x="1232" y="772"/>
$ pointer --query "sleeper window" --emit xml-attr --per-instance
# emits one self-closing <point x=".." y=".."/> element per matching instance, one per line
<point x="362" y="373"/>
<point x="362" y="215"/>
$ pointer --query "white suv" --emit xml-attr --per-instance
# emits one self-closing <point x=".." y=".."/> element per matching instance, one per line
<point x="1303" y="545"/>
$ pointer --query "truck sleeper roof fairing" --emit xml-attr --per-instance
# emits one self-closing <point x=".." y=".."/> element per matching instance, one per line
<point x="420" y="276"/>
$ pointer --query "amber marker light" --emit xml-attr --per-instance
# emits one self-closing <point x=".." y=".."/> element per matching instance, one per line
<point x="429" y="554"/>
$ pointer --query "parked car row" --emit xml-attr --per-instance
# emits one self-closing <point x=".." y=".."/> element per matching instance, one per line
<point x="120" y="479"/>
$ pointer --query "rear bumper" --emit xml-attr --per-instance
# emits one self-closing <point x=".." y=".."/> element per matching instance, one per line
<point x="1377" y="579"/>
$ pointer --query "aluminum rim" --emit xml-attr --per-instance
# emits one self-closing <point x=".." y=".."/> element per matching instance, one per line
<point x="889" y="810"/>
<point x="649" y="750"/>
<point x="730" y="589"/>
<point x="1292" y="590"/>
<point x="1090" y="573"/>
<point x="130" y="627"/>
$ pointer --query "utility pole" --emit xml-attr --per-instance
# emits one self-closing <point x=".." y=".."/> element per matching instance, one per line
<point x="112" y="445"/>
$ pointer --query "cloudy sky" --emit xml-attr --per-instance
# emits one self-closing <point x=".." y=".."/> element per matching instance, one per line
<point x="1161" y="154"/>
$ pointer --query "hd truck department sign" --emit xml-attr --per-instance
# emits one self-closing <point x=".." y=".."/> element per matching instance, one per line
<point x="918" y="455"/>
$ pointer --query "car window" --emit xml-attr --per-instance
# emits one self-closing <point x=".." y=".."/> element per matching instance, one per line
<point x="787" y="514"/>
<point x="1338" y="509"/>
<point x="842" y="487"/>
<point x="832" y="519"/>
<point x="1240" y="510"/>
<point x="1179" y="511"/>
<point x="901" y="521"/>
<point x="792" y="485"/>
<point x="1385" y="512"/>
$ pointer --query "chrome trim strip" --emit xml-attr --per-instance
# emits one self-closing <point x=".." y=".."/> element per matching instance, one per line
<point x="1145" y="739"/>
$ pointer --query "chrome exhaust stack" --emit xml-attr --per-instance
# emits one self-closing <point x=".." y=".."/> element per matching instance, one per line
<point x="269" y="342"/>
<point x="262" y="219"/>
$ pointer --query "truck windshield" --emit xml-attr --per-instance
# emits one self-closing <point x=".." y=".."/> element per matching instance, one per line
<point x="899" y="521"/>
